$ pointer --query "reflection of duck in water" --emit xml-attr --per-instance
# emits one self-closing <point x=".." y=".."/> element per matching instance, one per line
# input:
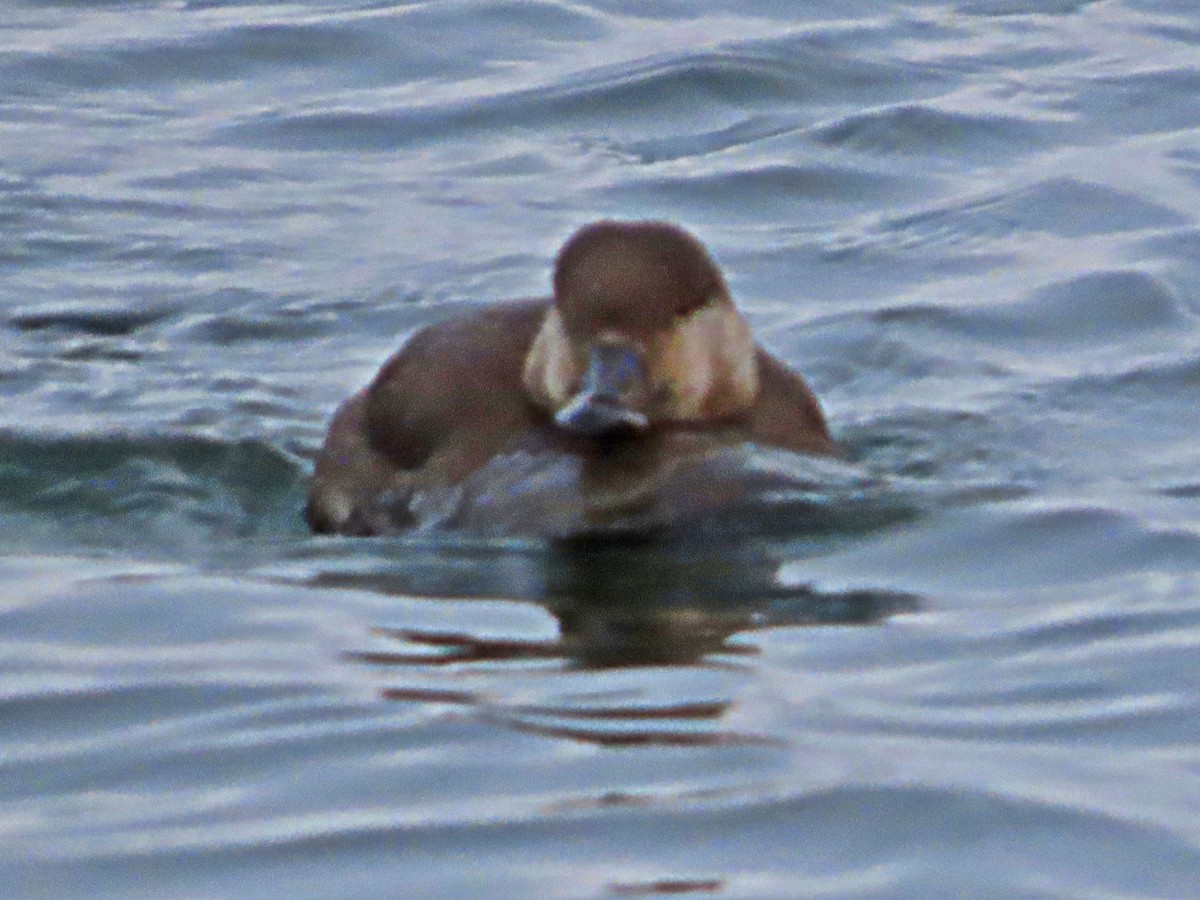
<point x="616" y="605"/>
<point x="601" y="406"/>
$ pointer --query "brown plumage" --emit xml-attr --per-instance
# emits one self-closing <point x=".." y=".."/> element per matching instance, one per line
<point x="640" y="342"/>
<point x="633" y="275"/>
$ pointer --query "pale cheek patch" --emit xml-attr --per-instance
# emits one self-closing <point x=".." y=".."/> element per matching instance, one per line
<point x="551" y="372"/>
<point x="706" y="366"/>
<point x="681" y="374"/>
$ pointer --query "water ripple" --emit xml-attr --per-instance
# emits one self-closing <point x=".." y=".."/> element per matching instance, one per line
<point x="958" y="662"/>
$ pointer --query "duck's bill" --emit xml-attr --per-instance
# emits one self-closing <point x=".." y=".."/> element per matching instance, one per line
<point x="607" y="401"/>
<point x="592" y="417"/>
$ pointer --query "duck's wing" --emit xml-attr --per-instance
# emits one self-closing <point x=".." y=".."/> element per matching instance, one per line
<point x="454" y="390"/>
<point x="787" y="413"/>
<point x="439" y="408"/>
<point x="349" y="473"/>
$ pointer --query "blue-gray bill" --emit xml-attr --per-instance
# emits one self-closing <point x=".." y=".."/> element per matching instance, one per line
<point x="613" y="388"/>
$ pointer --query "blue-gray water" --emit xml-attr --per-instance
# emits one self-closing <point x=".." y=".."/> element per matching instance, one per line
<point x="965" y="664"/>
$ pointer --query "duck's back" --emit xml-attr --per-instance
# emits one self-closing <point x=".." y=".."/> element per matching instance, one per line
<point x="787" y="413"/>
<point x="444" y="404"/>
<point x="453" y="393"/>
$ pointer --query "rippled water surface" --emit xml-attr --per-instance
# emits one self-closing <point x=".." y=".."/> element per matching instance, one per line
<point x="963" y="662"/>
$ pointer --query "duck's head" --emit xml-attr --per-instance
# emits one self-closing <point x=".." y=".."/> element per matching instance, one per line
<point x="642" y="331"/>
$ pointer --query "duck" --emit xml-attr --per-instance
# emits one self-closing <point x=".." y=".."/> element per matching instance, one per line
<point x="596" y="404"/>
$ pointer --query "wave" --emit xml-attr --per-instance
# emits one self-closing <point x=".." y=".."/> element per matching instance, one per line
<point x="1111" y="307"/>
<point x="145" y="492"/>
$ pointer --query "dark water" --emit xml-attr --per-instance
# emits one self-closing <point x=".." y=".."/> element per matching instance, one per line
<point x="965" y="663"/>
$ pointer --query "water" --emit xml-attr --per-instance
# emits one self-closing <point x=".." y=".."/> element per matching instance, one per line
<point x="963" y="664"/>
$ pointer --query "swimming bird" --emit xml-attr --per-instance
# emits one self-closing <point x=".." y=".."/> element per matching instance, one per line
<point x="593" y="405"/>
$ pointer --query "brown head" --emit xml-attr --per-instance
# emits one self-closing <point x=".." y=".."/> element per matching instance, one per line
<point x="642" y="331"/>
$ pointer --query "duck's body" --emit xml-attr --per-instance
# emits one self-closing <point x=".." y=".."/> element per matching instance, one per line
<point x="639" y="362"/>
